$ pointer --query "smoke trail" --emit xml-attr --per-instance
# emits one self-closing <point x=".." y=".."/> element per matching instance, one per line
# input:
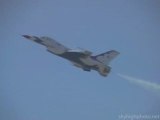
<point x="146" y="84"/>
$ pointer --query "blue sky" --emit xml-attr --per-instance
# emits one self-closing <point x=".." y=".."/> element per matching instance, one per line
<point x="36" y="85"/>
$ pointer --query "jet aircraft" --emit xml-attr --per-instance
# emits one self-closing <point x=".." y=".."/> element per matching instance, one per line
<point x="80" y="58"/>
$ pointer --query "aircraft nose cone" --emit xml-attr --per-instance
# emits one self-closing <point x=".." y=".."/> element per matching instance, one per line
<point x="26" y="36"/>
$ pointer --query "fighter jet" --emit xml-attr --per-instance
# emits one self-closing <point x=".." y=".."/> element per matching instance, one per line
<point x="80" y="58"/>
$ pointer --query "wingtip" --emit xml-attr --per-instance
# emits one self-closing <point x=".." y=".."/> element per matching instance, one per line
<point x="118" y="52"/>
<point x="115" y="52"/>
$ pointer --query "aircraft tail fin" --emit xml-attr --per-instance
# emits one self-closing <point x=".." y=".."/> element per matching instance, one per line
<point x="106" y="57"/>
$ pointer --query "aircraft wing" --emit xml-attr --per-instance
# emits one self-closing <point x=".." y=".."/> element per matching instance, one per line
<point x="49" y="42"/>
<point x="53" y="46"/>
<point x="79" y="53"/>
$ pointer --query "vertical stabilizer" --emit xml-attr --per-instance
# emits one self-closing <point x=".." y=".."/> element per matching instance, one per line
<point x="106" y="57"/>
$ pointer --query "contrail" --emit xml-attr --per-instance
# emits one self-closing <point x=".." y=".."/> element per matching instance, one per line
<point x="146" y="84"/>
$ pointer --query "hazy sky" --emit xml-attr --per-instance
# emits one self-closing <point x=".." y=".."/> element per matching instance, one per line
<point x="36" y="85"/>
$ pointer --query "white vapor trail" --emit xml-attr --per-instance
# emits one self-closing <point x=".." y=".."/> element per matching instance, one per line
<point x="146" y="84"/>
